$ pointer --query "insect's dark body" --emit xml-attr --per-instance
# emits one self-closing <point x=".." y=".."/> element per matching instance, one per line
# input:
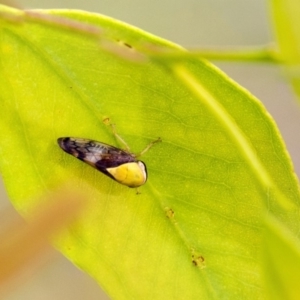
<point x="99" y="155"/>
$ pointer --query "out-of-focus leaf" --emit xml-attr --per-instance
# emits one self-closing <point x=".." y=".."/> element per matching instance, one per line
<point x="286" y="17"/>
<point x="286" y="20"/>
<point x="23" y="244"/>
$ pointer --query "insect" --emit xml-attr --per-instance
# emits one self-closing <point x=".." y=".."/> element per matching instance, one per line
<point x="120" y="165"/>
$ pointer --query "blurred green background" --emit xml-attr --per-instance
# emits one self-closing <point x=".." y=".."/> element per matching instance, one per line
<point x="192" y="24"/>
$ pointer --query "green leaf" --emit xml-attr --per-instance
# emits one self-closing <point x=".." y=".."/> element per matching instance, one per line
<point x="281" y="261"/>
<point x="196" y="229"/>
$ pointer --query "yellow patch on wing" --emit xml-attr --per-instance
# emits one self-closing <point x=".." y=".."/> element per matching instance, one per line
<point x="132" y="174"/>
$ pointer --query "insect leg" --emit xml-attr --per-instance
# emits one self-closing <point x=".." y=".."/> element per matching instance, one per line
<point x="148" y="147"/>
<point x="107" y="122"/>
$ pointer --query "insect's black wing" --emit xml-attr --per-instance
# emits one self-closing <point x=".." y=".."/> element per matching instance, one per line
<point x="99" y="155"/>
